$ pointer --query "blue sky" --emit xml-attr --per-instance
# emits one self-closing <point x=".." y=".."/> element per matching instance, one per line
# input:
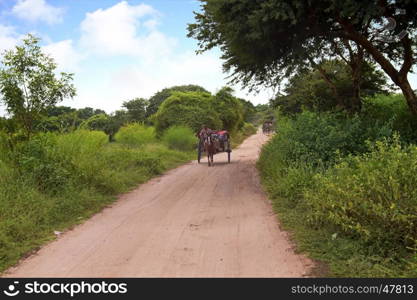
<point x="118" y="50"/>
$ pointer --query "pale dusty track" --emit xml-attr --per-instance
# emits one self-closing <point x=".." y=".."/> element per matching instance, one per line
<point x="194" y="221"/>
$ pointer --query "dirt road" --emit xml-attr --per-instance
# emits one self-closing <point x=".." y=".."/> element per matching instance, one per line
<point x="194" y="221"/>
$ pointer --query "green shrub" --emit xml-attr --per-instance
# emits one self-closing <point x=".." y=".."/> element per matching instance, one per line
<point x="3" y="147"/>
<point x="248" y="129"/>
<point x="230" y="109"/>
<point x="345" y="191"/>
<point x="55" y="180"/>
<point x="372" y="196"/>
<point x="135" y="135"/>
<point x="283" y="178"/>
<point x="180" y="138"/>
<point x="392" y="110"/>
<point x="317" y="137"/>
<point x="84" y="149"/>
<point x="40" y="162"/>
<point x="191" y="109"/>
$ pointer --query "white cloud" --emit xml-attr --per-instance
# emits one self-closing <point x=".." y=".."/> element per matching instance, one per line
<point x="137" y="80"/>
<point x="8" y="38"/>
<point x="38" y="10"/>
<point x="124" y="29"/>
<point x="65" y="55"/>
<point x="111" y="36"/>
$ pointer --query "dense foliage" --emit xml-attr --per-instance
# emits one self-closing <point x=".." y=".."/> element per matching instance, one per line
<point x="346" y="186"/>
<point x="180" y="138"/>
<point x="59" y="165"/>
<point x="55" y="180"/>
<point x="28" y="84"/>
<point x="192" y="109"/>
<point x="156" y="100"/>
<point x="262" y="40"/>
<point x="308" y="89"/>
<point x="230" y="109"/>
<point x="135" y="135"/>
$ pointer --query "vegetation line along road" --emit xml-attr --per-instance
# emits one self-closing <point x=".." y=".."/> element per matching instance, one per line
<point x="59" y="165"/>
<point x="193" y="221"/>
<point x="342" y="168"/>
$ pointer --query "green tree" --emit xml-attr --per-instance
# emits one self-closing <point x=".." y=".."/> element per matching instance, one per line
<point x="230" y="109"/>
<point x="109" y="124"/>
<point x="249" y="110"/>
<point x="262" y="40"/>
<point x="192" y="109"/>
<point x="156" y="100"/>
<point x="136" y="109"/>
<point x="87" y="112"/>
<point x="28" y="83"/>
<point x="308" y="88"/>
<point x="54" y="111"/>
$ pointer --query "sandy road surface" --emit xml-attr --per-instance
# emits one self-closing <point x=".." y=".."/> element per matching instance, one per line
<point x="194" y="221"/>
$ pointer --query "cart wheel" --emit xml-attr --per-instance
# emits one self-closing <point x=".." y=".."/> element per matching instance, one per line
<point x="228" y="156"/>
<point x="199" y="154"/>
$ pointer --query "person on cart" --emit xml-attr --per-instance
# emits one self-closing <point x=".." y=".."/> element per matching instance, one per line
<point x="204" y="131"/>
<point x="223" y="136"/>
<point x="220" y="139"/>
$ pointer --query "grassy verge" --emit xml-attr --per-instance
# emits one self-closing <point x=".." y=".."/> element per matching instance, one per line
<point x="56" y="181"/>
<point x="237" y="138"/>
<point x="346" y="193"/>
<point x="337" y="255"/>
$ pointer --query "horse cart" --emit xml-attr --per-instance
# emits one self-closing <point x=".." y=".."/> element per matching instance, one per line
<point x="215" y="142"/>
<point x="267" y="127"/>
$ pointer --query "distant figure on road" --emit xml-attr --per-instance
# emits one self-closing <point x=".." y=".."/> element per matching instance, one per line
<point x="267" y="127"/>
<point x="204" y="131"/>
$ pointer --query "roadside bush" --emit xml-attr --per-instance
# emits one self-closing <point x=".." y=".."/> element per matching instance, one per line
<point x="191" y="109"/>
<point x="248" y="129"/>
<point x="317" y="137"/>
<point x="40" y="161"/>
<point x="56" y="180"/>
<point x="346" y="186"/>
<point x="372" y="196"/>
<point x="284" y="177"/>
<point x="180" y="138"/>
<point x="135" y="135"/>
<point x="393" y="110"/>
<point x="3" y="147"/>
<point x="230" y="109"/>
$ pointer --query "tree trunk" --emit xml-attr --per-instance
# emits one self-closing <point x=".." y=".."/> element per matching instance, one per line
<point x="398" y="77"/>
<point x="356" y="68"/>
<point x="409" y="94"/>
<point x="330" y="83"/>
<point x="355" y="63"/>
<point x="356" y="104"/>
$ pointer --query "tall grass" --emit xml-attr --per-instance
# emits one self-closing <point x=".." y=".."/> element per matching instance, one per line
<point x="345" y="187"/>
<point x="56" y="180"/>
<point x="180" y="138"/>
<point x="136" y="135"/>
<point x="372" y="197"/>
<point x="237" y="137"/>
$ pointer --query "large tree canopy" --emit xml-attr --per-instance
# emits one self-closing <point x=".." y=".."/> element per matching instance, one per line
<point x="229" y="108"/>
<point x="156" y="100"/>
<point x="29" y="84"/>
<point x="136" y="109"/>
<point x="263" y="39"/>
<point x="192" y="109"/>
<point x="308" y="88"/>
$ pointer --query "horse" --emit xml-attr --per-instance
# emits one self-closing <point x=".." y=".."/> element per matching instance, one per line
<point x="209" y="147"/>
<point x="267" y="127"/>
